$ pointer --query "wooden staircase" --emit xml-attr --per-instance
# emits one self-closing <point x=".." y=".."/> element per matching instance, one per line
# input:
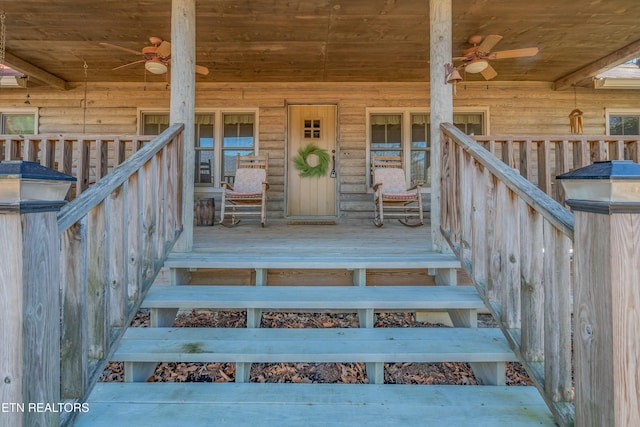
<point x="139" y="403"/>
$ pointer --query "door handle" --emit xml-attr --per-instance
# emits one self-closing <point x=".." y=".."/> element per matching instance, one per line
<point x="333" y="168"/>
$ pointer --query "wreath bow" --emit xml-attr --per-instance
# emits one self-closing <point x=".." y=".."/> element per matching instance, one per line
<point x="306" y="170"/>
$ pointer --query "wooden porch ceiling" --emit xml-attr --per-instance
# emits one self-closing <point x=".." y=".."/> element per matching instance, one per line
<point x="316" y="40"/>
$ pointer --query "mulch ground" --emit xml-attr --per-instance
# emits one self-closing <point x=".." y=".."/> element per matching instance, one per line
<point x="352" y="373"/>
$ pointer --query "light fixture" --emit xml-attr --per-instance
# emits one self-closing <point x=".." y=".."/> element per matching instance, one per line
<point x="154" y="66"/>
<point x="613" y="182"/>
<point x="476" y="66"/>
<point x="29" y="185"/>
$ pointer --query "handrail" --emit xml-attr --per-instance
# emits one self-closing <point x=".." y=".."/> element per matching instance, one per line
<point x="114" y="239"/>
<point x="540" y="158"/>
<point x="515" y="242"/>
<point x="88" y="157"/>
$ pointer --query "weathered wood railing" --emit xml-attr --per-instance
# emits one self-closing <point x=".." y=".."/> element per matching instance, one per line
<point x="515" y="242"/>
<point x="114" y="240"/>
<point x="540" y="158"/>
<point x="87" y="157"/>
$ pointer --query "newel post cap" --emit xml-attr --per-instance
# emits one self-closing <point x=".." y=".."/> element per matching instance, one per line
<point x="611" y="186"/>
<point x="30" y="187"/>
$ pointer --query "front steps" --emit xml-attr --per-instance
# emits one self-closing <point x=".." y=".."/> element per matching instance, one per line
<point x="136" y="402"/>
<point x="312" y="405"/>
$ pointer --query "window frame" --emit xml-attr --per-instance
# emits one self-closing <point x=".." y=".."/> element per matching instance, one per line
<point x="406" y="148"/>
<point x="218" y="135"/>
<point x="619" y="112"/>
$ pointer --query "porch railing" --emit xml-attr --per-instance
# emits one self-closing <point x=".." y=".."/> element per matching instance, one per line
<point x="540" y="158"/>
<point x="87" y="157"/>
<point x="114" y="240"/>
<point x="516" y="243"/>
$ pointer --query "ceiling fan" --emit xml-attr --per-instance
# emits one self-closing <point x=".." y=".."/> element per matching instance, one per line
<point x="476" y="58"/>
<point x="156" y="58"/>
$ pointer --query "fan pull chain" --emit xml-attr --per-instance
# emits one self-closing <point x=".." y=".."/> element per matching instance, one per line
<point x="3" y="43"/>
<point x="3" y="38"/>
<point x="84" y="101"/>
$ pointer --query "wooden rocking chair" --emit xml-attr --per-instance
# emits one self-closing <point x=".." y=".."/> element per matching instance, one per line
<point x="392" y="198"/>
<point x="248" y="194"/>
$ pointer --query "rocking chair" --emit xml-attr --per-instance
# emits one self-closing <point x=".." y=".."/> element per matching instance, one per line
<point x="248" y="194"/>
<point x="392" y="198"/>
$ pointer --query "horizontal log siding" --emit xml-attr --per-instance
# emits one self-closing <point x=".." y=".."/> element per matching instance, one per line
<point x="521" y="108"/>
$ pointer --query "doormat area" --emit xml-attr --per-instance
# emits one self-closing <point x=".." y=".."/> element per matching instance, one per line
<point x="311" y="223"/>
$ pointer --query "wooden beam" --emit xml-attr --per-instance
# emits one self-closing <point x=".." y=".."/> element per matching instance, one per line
<point x="440" y="13"/>
<point x="183" y="95"/>
<point x="34" y="71"/>
<point x="618" y="57"/>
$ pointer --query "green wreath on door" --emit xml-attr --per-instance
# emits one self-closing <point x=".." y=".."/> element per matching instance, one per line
<point x="306" y="170"/>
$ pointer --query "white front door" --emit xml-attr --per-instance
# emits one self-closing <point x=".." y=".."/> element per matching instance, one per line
<point x="313" y="196"/>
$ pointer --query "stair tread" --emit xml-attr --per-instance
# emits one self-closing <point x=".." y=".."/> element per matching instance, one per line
<point x="311" y="261"/>
<point x="314" y="297"/>
<point x="314" y="345"/>
<point x="256" y="405"/>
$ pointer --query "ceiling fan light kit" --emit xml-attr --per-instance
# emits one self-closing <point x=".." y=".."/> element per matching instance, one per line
<point x="476" y="66"/>
<point x="155" y="67"/>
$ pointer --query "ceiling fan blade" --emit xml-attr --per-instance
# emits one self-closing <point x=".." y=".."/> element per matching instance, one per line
<point x="129" y="64"/>
<point x="515" y="53"/>
<point x="489" y="42"/>
<point x="164" y="49"/>
<point x="202" y="70"/>
<point x="124" y="49"/>
<point x="489" y="72"/>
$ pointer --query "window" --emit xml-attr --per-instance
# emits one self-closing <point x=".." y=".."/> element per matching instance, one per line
<point x="406" y="134"/>
<point x="214" y="162"/>
<point x="624" y="123"/>
<point x="238" y="139"/>
<point x="18" y="123"/>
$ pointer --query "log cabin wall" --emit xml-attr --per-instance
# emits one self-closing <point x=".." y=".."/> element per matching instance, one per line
<point x="518" y="108"/>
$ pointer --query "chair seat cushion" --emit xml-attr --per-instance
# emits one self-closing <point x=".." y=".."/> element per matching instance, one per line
<point x="399" y="196"/>
<point x="234" y="194"/>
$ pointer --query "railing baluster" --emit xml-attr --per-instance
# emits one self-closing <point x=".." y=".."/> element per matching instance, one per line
<point x="74" y="362"/>
<point x="117" y="269"/>
<point x="526" y="160"/>
<point x="102" y="158"/>
<point x="134" y="272"/>
<point x="544" y="166"/>
<point x="507" y="220"/>
<point x="557" y="301"/>
<point x="531" y="267"/>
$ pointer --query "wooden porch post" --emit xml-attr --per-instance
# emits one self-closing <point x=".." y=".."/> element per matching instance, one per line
<point x="29" y="311"/>
<point x="607" y="307"/>
<point x="440" y="13"/>
<point x="183" y="101"/>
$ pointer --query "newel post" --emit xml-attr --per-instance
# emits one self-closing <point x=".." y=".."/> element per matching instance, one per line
<point x="605" y="198"/>
<point x="30" y="196"/>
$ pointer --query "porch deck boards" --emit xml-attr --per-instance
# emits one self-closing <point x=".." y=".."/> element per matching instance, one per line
<point x="355" y="238"/>
<point x="313" y="405"/>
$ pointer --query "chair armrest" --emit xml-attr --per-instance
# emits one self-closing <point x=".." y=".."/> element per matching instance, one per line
<point x="227" y="186"/>
<point x="265" y="185"/>
<point x="376" y="186"/>
<point x="415" y="187"/>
